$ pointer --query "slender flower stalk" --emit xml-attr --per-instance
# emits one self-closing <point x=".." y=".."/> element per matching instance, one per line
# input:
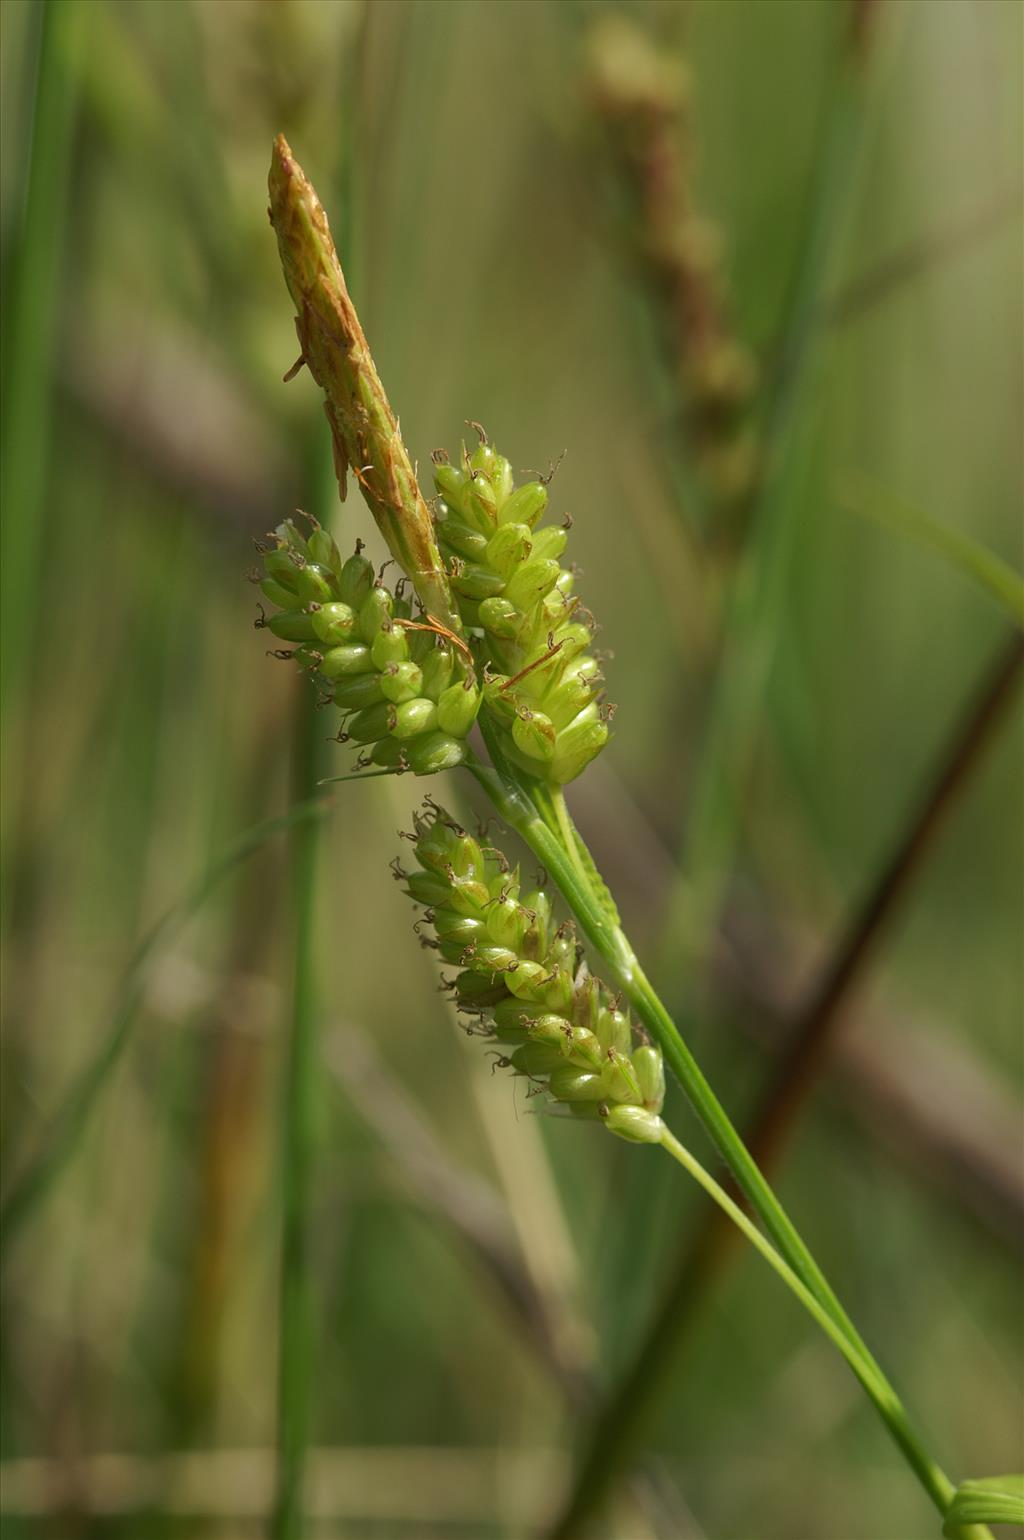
<point x="501" y="599"/>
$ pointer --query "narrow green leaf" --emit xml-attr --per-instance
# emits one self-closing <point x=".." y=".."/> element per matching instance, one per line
<point x="975" y="560"/>
<point x="993" y="1500"/>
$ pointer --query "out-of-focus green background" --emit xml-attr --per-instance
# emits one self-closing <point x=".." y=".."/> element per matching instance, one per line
<point x="148" y="439"/>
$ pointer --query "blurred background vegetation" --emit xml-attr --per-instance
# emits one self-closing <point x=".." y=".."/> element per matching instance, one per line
<point x="506" y="182"/>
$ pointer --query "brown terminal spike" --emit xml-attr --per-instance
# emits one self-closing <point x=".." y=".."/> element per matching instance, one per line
<point x="364" y="431"/>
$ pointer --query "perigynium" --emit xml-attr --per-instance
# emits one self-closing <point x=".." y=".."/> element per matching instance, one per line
<point x="499" y="638"/>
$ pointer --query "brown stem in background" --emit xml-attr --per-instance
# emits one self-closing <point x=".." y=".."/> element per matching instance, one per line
<point x="226" y="1122"/>
<point x="615" y="1438"/>
<point x="928" y="1100"/>
<point x="957" y="1128"/>
<point x="809" y="1041"/>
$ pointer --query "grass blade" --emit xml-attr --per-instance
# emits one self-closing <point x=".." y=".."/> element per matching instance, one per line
<point x="758" y="589"/>
<point x="295" y="1306"/>
<point x="969" y="556"/>
<point x="33" y="310"/>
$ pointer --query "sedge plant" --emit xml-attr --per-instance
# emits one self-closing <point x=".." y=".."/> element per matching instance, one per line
<point x="484" y="630"/>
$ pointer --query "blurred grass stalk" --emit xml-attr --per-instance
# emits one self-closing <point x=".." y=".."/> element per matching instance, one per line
<point x="713" y="816"/>
<point x="984" y="567"/>
<point x="295" y="1322"/>
<point x="33" y="305"/>
<point x="296" y="1347"/>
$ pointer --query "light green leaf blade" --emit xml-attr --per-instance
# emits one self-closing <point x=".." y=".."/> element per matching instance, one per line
<point x="980" y="564"/>
<point x="993" y="1500"/>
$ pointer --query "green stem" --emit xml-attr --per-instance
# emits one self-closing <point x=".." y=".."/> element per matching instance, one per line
<point x="295" y="1344"/>
<point x="33" y="310"/>
<point x="513" y="799"/>
<point x="551" y="804"/>
<point x="296" y="1348"/>
<point x="565" y="828"/>
<point x="865" y="1371"/>
<point x="891" y="1409"/>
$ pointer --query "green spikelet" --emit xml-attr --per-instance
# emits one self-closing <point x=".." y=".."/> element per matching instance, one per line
<point x="409" y="696"/>
<point x="542" y="684"/>
<point x="523" y="978"/>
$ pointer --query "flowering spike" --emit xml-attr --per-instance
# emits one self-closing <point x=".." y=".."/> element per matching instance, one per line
<point x="542" y="683"/>
<point x="560" y="1025"/>
<point x="413" y="698"/>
